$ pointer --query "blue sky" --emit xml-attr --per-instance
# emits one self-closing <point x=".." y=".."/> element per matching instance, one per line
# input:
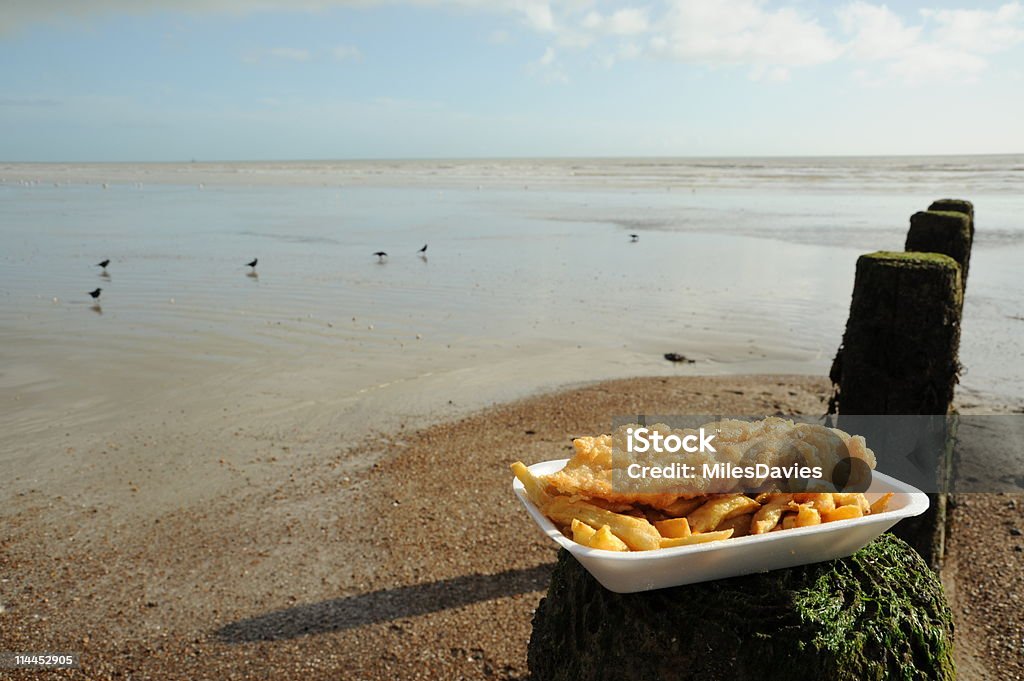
<point x="112" y="80"/>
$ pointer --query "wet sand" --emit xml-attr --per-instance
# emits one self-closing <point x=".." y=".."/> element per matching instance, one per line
<point x="405" y="557"/>
<point x="744" y="265"/>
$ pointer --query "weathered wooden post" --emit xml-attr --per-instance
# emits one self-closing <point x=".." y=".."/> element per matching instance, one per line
<point x="879" y="613"/>
<point x="899" y="352"/>
<point x="899" y="357"/>
<point x="957" y="206"/>
<point x="943" y="231"/>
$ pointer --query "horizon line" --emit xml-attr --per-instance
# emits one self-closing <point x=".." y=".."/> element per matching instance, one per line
<point x="411" y="159"/>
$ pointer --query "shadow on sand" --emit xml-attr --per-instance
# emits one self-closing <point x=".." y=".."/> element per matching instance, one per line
<point x="384" y="605"/>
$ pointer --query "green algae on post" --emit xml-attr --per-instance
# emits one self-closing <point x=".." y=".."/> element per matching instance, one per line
<point x="957" y="206"/>
<point x="900" y="356"/>
<point x="946" y="232"/>
<point x="880" y="613"/>
<point x="899" y="351"/>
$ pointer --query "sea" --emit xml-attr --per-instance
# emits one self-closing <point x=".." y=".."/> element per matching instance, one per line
<point x="531" y="280"/>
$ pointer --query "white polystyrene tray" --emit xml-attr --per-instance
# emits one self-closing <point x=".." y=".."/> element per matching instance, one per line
<point x="631" y="571"/>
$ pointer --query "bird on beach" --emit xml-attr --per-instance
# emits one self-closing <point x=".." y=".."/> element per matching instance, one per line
<point x="380" y="256"/>
<point x="423" y="250"/>
<point x="633" y="238"/>
<point x="95" y="294"/>
<point x="103" y="263"/>
<point x="253" y="263"/>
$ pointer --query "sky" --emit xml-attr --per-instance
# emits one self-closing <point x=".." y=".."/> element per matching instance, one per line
<point x="172" y="80"/>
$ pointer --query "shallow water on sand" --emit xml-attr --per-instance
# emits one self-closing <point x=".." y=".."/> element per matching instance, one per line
<point x="530" y="281"/>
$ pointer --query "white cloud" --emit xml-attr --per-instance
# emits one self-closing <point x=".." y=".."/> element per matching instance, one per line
<point x="980" y="30"/>
<point x="770" y="74"/>
<point x="290" y="53"/>
<point x="574" y="39"/>
<point x="876" y="31"/>
<point x="624" y="52"/>
<point x="949" y="44"/>
<point x="626" y="21"/>
<point x="772" y="39"/>
<point x="346" y="53"/>
<point x="548" y="68"/>
<point x="742" y="32"/>
<point x="629" y="51"/>
<point x="930" y="61"/>
<point x="538" y="16"/>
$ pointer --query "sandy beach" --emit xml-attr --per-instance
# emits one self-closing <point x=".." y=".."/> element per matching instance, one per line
<point x="404" y="556"/>
<point x="302" y="470"/>
<point x="219" y="472"/>
<point x="285" y="288"/>
<point x="316" y="564"/>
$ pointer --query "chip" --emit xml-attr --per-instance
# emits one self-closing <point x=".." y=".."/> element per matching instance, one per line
<point x="613" y="525"/>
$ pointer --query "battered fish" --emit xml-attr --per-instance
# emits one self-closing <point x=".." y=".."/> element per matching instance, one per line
<point x="597" y="471"/>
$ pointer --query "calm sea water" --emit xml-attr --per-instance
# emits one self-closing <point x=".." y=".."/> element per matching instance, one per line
<point x="530" y="279"/>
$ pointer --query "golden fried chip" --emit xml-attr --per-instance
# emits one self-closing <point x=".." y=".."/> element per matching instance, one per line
<point x="842" y="513"/>
<point x="768" y="516"/>
<point x="605" y="539"/>
<point x="582" y="533"/>
<point x="671" y="542"/>
<point x="534" y="487"/>
<point x="674" y="528"/>
<point x="581" y="501"/>
<point x="852" y="499"/>
<point x="820" y="501"/>
<point x="740" y="525"/>
<point x="881" y="503"/>
<point x="807" y="515"/>
<point x="709" y="515"/>
<point x="681" y="507"/>
<point x="638" y="534"/>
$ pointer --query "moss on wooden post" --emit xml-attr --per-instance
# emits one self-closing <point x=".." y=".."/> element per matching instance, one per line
<point x="957" y="206"/>
<point x="899" y="351"/>
<point x="879" y="614"/>
<point x="900" y="357"/>
<point x="941" y="231"/>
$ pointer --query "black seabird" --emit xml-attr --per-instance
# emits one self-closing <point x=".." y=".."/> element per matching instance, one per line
<point x="95" y="294"/>
<point x="380" y="256"/>
<point x="103" y="263"/>
<point x="423" y="250"/>
<point x="634" y="237"/>
<point x="253" y="263"/>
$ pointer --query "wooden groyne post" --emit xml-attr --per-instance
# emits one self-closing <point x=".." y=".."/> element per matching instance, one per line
<point x="946" y="229"/>
<point x="880" y="613"/>
<point x="957" y="206"/>
<point x="900" y="353"/>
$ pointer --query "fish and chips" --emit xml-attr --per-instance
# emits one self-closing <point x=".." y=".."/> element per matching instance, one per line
<point x="586" y="502"/>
